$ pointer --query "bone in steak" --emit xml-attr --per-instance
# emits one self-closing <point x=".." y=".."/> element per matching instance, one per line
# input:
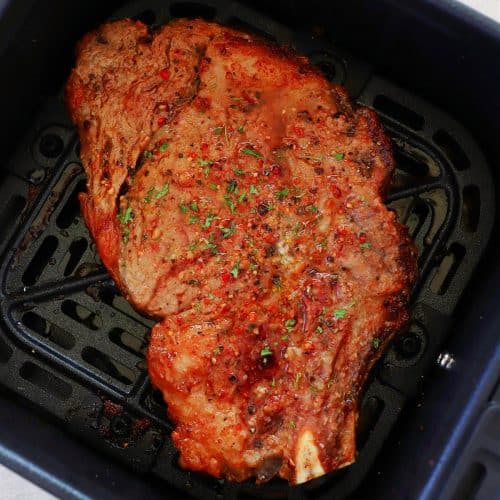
<point x="236" y="195"/>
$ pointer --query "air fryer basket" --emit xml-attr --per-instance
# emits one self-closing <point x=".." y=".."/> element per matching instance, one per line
<point x="74" y="348"/>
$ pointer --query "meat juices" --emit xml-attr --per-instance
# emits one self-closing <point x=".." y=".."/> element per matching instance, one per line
<point x="236" y="195"/>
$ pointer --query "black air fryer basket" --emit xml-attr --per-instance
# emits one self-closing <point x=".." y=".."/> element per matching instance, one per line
<point x="78" y="413"/>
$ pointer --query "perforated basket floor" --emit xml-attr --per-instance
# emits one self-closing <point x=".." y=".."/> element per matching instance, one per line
<point x="74" y="348"/>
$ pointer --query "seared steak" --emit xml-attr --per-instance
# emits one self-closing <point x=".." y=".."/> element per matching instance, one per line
<point x="236" y="195"/>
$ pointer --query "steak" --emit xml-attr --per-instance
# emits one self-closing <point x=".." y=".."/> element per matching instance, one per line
<point x="236" y="195"/>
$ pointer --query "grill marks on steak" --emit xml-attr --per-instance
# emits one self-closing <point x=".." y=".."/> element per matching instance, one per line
<point x="254" y="228"/>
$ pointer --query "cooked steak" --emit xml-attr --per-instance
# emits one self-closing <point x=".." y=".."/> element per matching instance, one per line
<point x="236" y="195"/>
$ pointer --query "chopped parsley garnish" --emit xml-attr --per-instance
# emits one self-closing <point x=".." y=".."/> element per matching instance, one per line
<point x="184" y="209"/>
<point x="292" y="424"/>
<point x="218" y="131"/>
<point x="210" y="244"/>
<point x="251" y="152"/>
<point x="232" y="186"/>
<point x="192" y="219"/>
<point x="230" y="203"/>
<point x="193" y="246"/>
<point x="311" y="208"/>
<point x="285" y="337"/>
<point x="242" y="197"/>
<point x="253" y="190"/>
<point x="238" y="171"/>
<point x="125" y="234"/>
<point x="253" y="266"/>
<point x="339" y="313"/>
<point x="339" y="156"/>
<point x="319" y="329"/>
<point x="204" y="163"/>
<point x="218" y="350"/>
<point x="290" y="324"/>
<point x="366" y="245"/>
<point x="235" y="269"/>
<point x="126" y="217"/>
<point x="147" y="154"/>
<point x="241" y="128"/>
<point x="163" y="147"/>
<point x="193" y="206"/>
<point x="273" y="382"/>
<point x="163" y="191"/>
<point x="235" y="98"/>
<point x="375" y="343"/>
<point x="266" y="351"/>
<point x="208" y="220"/>
<point x="228" y="231"/>
<point x="149" y="195"/>
<point x="296" y="228"/>
<point x="282" y="194"/>
<point x="313" y="388"/>
<point x="213" y="186"/>
<point x="197" y="306"/>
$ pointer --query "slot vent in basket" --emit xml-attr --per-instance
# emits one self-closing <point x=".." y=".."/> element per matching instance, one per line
<point x="470" y="208"/>
<point x="71" y="209"/>
<point x="48" y="330"/>
<point x="40" y="260"/>
<point x="81" y="314"/>
<point x="46" y="381"/>
<point x="398" y="112"/>
<point x="73" y="256"/>
<point x="452" y="149"/>
<point x="447" y="269"/>
<point x="108" y="365"/>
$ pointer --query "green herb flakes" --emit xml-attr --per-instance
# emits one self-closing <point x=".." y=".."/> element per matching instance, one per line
<point x="163" y="147"/>
<point x="208" y="220"/>
<point x="338" y="156"/>
<point x="163" y="191"/>
<point x="232" y="186"/>
<point x="283" y="193"/>
<point x="290" y="324"/>
<point x="230" y="203"/>
<point x="253" y="190"/>
<point x="251" y="152"/>
<point x="235" y="269"/>
<point x="266" y="352"/>
<point x="126" y="216"/>
<point x="311" y="208"/>
<point x="228" y="231"/>
<point x="339" y="313"/>
<point x="375" y="343"/>
<point x="204" y="163"/>
<point x="149" y="195"/>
